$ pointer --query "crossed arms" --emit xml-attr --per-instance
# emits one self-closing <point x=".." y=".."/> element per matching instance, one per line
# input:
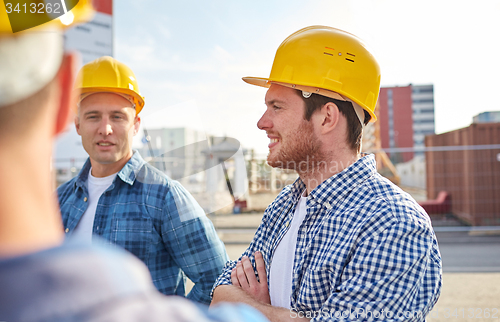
<point x="246" y="288"/>
<point x="394" y="269"/>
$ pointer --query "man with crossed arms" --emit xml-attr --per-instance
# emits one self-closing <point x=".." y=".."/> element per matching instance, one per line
<point x="341" y="242"/>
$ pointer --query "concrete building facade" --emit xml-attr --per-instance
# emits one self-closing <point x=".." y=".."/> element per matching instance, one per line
<point x="175" y="151"/>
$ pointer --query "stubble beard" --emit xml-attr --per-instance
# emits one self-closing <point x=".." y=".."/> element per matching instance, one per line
<point x="301" y="153"/>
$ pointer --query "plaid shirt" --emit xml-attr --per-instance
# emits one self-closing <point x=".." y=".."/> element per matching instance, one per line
<point x="156" y="219"/>
<point x="365" y="248"/>
<point x="81" y="283"/>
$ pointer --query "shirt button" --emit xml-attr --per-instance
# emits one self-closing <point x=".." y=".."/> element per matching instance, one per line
<point x="66" y="230"/>
<point x="97" y="228"/>
<point x="85" y="199"/>
<point x="288" y="223"/>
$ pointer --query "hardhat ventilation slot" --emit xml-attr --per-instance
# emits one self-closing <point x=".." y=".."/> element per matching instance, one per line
<point x="327" y="53"/>
<point x="350" y="60"/>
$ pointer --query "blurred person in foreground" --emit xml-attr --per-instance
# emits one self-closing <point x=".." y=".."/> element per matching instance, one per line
<point x="341" y="242"/>
<point x="128" y="202"/>
<point x="44" y="277"/>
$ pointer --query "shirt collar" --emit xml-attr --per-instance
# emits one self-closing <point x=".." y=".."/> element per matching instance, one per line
<point x="127" y="174"/>
<point x="296" y="189"/>
<point x="331" y="190"/>
<point x="83" y="176"/>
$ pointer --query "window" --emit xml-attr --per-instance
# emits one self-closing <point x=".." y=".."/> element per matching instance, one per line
<point x="423" y="89"/>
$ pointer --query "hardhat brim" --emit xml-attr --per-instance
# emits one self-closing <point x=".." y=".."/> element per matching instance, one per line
<point x="259" y="81"/>
<point x="266" y="82"/>
<point x="138" y="98"/>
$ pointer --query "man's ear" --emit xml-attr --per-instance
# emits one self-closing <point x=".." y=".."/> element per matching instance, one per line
<point x="77" y="124"/>
<point x="67" y="99"/>
<point x="137" y="124"/>
<point x="328" y="117"/>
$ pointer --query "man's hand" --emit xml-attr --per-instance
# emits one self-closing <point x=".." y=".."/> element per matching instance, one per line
<point x="243" y="276"/>
<point x="246" y="289"/>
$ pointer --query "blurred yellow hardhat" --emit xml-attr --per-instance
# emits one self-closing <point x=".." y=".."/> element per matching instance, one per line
<point x="106" y="74"/>
<point x="32" y="43"/>
<point x="38" y="15"/>
<point x="326" y="61"/>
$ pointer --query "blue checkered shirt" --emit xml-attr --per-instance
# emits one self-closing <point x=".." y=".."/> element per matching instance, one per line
<point x="157" y="220"/>
<point x="365" y="248"/>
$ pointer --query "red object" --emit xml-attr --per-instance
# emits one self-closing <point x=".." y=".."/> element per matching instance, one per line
<point x="103" y="6"/>
<point x="440" y="205"/>
<point x="402" y="119"/>
<point x="240" y="203"/>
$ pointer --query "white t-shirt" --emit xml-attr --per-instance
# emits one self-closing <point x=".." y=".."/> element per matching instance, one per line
<point x="280" y="274"/>
<point x="96" y="187"/>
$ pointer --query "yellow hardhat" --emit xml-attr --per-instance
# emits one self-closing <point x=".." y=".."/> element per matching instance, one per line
<point x="16" y="17"/>
<point x="322" y="60"/>
<point x="106" y="74"/>
<point x="32" y="43"/>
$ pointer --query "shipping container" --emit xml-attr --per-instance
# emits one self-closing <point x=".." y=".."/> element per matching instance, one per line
<point x="466" y="164"/>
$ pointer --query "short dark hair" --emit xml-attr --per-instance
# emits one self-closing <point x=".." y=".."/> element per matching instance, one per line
<point x="354" y="129"/>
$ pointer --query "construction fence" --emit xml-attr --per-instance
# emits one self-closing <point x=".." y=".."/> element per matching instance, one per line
<point x="457" y="173"/>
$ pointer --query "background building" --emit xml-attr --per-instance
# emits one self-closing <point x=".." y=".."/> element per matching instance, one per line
<point x="487" y="117"/>
<point x="94" y="38"/>
<point x="406" y="117"/>
<point x="175" y="151"/>
<point x="412" y="173"/>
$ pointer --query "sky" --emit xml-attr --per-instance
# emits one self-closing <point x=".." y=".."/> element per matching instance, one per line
<point x="189" y="56"/>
